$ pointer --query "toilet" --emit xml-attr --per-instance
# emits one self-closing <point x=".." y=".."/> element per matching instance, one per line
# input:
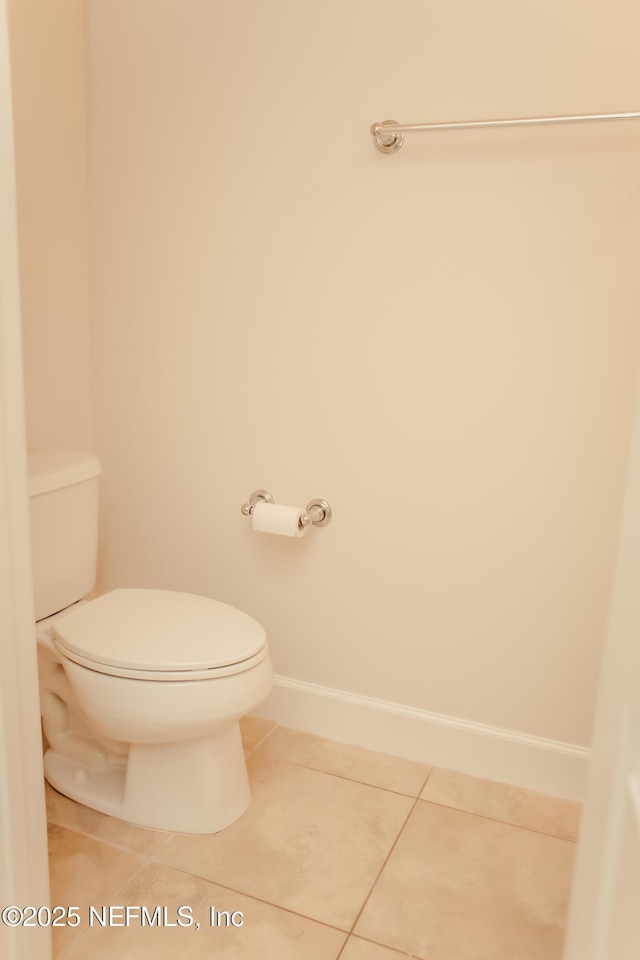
<point x="141" y="690"/>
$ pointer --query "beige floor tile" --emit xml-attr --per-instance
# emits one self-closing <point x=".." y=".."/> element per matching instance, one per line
<point x="254" y="730"/>
<point x="309" y="841"/>
<point x="461" y="887"/>
<point x="357" y="949"/>
<point x="265" y="933"/>
<point x="355" y="763"/>
<point x="75" y="816"/>
<point x="84" y="872"/>
<point x="525" y="808"/>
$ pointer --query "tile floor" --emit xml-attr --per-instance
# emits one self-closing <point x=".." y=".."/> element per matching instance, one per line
<point x="343" y="853"/>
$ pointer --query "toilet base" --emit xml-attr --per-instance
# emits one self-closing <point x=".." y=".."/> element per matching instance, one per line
<point x="193" y="786"/>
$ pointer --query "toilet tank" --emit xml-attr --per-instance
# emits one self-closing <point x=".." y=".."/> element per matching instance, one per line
<point x="63" y="500"/>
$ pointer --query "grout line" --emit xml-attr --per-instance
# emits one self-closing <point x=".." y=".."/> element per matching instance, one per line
<point x="506" y="823"/>
<point x="386" y="860"/>
<point x="111" y="843"/>
<point x="341" y="950"/>
<point x="376" y="943"/>
<point x="261" y="741"/>
<point x="342" y="776"/>
<point x="107" y="902"/>
<point x="252" y="896"/>
<point x="168" y="837"/>
<point x="131" y="878"/>
<point x="427" y="778"/>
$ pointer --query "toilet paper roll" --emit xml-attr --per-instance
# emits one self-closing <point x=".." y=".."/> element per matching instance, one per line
<point x="278" y="518"/>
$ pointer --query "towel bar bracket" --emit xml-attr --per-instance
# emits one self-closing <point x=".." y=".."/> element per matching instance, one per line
<point x="387" y="142"/>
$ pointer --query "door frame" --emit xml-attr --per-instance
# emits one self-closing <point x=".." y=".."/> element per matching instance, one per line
<point x="24" y="874"/>
<point x="614" y="769"/>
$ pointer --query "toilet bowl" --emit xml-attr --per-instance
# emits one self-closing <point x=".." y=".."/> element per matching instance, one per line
<point x="156" y="682"/>
<point x="141" y="690"/>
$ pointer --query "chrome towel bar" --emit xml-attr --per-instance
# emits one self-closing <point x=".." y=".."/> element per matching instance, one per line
<point x="388" y="136"/>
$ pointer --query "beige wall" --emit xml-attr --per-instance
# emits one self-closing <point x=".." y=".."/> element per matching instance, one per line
<point x="49" y="96"/>
<point x="441" y="342"/>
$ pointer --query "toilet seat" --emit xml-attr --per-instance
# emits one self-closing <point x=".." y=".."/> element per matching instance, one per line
<point x="211" y="673"/>
<point x="160" y="635"/>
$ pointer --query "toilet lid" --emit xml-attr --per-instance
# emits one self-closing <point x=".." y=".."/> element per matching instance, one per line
<point x="159" y="630"/>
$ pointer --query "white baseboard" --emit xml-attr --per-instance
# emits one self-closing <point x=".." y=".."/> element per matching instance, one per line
<point x="555" y="768"/>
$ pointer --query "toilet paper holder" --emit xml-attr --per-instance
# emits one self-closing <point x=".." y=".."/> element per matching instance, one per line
<point x="318" y="512"/>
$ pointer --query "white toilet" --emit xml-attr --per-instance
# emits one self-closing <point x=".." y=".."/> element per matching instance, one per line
<point x="140" y="690"/>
